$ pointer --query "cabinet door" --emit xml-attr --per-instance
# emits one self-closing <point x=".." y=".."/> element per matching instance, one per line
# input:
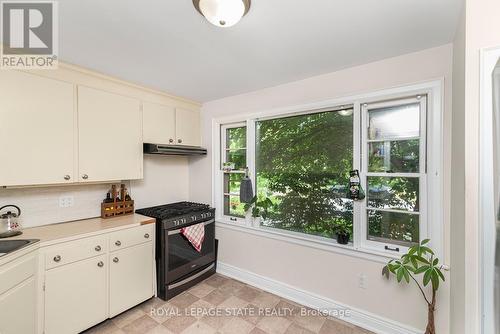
<point x="110" y="136"/>
<point x="76" y="296"/>
<point x="158" y="123"/>
<point x="37" y="127"/>
<point x="130" y="277"/>
<point x="17" y="309"/>
<point x="187" y="127"/>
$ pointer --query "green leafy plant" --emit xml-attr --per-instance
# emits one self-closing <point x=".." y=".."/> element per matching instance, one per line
<point x="419" y="260"/>
<point x="342" y="227"/>
<point x="260" y="208"/>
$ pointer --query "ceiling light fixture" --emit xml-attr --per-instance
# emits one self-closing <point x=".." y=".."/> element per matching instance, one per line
<point x="222" y="13"/>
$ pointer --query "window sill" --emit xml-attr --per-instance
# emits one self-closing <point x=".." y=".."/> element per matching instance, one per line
<point x="307" y="241"/>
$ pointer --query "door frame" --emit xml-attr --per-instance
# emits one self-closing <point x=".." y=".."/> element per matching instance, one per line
<point x="490" y="57"/>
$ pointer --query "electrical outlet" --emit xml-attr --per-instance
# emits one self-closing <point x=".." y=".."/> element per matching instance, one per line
<point x="362" y="281"/>
<point x="66" y="201"/>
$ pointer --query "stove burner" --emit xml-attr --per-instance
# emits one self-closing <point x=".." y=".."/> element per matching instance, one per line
<point x="173" y="210"/>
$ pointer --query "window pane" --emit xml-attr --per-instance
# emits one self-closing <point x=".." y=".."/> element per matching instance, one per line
<point x="393" y="227"/>
<point x="393" y="193"/>
<point x="233" y="207"/>
<point x="239" y="157"/>
<point x="301" y="164"/>
<point x="236" y="137"/>
<point x="394" y="156"/>
<point x="232" y="182"/>
<point x="394" y="122"/>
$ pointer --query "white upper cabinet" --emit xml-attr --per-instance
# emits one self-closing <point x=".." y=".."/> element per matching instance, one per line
<point x="110" y="136"/>
<point x="37" y="130"/>
<point x="71" y="126"/>
<point x="158" y="123"/>
<point x="187" y="127"/>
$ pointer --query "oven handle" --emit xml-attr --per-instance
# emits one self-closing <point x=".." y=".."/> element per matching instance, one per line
<point x="189" y="279"/>
<point x="208" y="222"/>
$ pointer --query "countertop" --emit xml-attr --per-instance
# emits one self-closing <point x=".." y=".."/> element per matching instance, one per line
<point x="55" y="233"/>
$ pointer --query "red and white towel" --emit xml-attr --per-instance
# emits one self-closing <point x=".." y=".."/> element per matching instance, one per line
<point x="195" y="234"/>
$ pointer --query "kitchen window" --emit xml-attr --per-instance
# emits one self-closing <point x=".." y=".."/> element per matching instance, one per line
<point x="234" y="162"/>
<point x="301" y="160"/>
<point x="394" y="164"/>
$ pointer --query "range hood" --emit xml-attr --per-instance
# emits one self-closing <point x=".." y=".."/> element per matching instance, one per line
<point x="161" y="149"/>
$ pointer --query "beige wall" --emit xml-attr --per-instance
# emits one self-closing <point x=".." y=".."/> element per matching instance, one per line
<point x="332" y="275"/>
<point x="457" y="219"/>
<point x="482" y="31"/>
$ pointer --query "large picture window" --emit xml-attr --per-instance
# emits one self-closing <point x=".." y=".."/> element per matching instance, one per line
<point x="302" y="166"/>
<point x="301" y="163"/>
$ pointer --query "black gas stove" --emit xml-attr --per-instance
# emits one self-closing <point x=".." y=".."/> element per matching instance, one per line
<point x="178" y="214"/>
<point x="179" y="265"/>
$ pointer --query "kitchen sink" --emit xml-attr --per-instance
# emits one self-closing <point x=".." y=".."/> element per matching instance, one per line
<point x="8" y="246"/>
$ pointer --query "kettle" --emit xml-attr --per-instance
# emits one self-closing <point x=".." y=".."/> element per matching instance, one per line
<point x="9" y="224"/>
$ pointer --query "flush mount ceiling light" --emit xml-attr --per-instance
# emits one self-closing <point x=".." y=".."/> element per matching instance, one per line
<point x="222" y="13"/>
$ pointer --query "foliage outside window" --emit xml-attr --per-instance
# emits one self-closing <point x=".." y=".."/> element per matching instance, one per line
<point x="302" y="165"/>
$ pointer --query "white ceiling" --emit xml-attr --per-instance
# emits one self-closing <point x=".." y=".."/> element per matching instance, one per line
<point x="167" y="44"/>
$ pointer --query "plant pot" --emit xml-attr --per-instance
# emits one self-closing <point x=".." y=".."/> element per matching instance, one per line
<point x="256" y="221"/>
<point x="343" y="239"/>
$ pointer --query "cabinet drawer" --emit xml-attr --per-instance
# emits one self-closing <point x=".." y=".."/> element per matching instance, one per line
<point x="75" y="251"/>
<point x="131" y="237"/>
<point x="18" y="271"/>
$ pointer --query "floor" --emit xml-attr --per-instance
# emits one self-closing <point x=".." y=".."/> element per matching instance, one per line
<point x="223" y="305"/>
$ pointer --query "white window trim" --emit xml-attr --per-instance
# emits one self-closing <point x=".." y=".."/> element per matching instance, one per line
<point x="435" y="215"/>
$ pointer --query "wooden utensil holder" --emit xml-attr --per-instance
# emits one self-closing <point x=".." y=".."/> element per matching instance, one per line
<point x="117" y="208"/>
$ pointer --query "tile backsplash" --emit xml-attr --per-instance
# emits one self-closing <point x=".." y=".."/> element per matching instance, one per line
<point x="40" y="206"/>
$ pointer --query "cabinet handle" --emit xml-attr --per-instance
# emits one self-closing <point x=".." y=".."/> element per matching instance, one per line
<point x="85" y="176"/>
<point x="118" y="243"/>
<point x="57" y="258"/>
<point x="116" y="260"/>
<point x="179" y="141"/>
<point x="146" y="235"/>
<point x="170" y="140"/>
<point x="97" y="248"/>
<point x="100" y="264"/>
<point x="67" y="177"/>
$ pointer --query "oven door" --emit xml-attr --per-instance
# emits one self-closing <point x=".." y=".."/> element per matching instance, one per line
<point x="183" y="258"/>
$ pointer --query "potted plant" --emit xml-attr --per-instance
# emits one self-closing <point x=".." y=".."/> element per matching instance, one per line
<point x="342" y="229"/>
<point x="419" y="260"/>
<point x="259" y="209"/>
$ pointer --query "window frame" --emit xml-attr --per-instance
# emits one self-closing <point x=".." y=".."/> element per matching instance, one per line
<point x="380" y="246"/>
<point x="433" y="179"/>
<point x="223" y="159"/>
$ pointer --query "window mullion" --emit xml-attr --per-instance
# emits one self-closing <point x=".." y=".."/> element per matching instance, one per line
<point x="357" y="164"/>
<point x="250" y="123"/>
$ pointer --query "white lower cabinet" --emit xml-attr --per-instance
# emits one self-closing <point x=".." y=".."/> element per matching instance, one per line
<point x="129" y="272"/>
<point x="86" y="283"/>
<point x="75" y="296"/>
<point x="18" y="309"/>
<point x="18" y="295"/>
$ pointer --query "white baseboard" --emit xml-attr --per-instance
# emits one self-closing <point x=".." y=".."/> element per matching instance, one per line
<point x="363" y="319"/>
